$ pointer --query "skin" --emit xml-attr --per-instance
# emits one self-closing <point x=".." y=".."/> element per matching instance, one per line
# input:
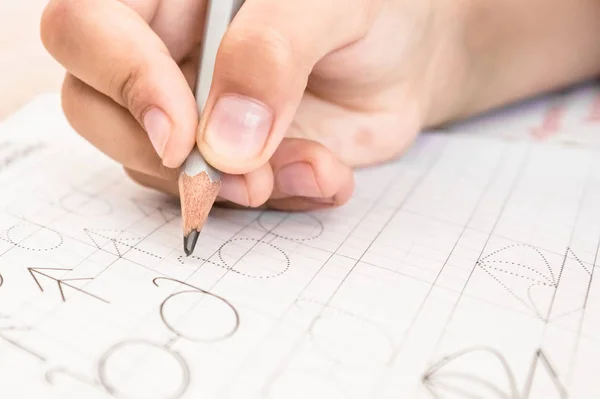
<point x="332" y="85"/>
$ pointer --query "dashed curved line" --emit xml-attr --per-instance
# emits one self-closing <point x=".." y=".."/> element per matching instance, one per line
<point x="527" y="246"/>
<point x="535" y="309"/>
<point x="518" y="298"/>
<point x="228" y="267"/>
<point x="519" y="275"/>
<point x="270" y="231"/>
<point x="11" y="241"/>
<point x="224" y="264"/>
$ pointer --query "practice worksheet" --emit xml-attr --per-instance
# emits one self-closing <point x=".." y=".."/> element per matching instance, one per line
<point x="465" y="269"/>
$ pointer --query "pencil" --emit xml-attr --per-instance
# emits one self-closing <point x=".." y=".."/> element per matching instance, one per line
<point x="199" y="183"/>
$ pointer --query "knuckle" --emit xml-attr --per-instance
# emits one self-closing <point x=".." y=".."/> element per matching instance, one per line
<point x="56" y="22"/>
<point x="128" y="89"/>
<point x="261" y="51"/>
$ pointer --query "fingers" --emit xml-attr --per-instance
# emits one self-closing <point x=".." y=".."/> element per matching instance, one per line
<point x="166" y="186"/>
<point x="249" y="190"/>
<point x="115" y="132"/>
<point x="318" y="181"/>
<point x="111" y="129"/>
<point x="236" y="190"/>
<point x="111" y="48"/>
<point x="306" y="169"/>
<point x="261" y="73"/>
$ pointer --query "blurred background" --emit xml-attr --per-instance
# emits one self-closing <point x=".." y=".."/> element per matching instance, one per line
<point x="26" y="69"/>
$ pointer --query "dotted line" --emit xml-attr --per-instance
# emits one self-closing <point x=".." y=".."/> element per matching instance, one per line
<point x="224" y="264"/>
<point x="116" y="241"/>
<point x="535" y="309"/>
<point x="142" y="251"/>
<point x="180" y="259"/>
<point x="270" y="231"/>
<point x="292" y="238"/>
<point x="11" y="241"/>
<point x="517" y="264"/>
<point x="287" y="259"/>
<point x="508" y="290"/>
<point x="528" y="246"/>
<point x="484" y="265"/>
<point x="578" y="260"/>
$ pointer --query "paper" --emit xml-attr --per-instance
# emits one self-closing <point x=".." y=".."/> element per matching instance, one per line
<point x="467" y="269"/>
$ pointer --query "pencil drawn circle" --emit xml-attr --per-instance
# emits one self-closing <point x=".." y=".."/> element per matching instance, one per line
<point x="139" y="369"/>
<point x="291" y="226"/>
<point x="83" y="204"/>
<point x="199" y="316"/>
<point x="253" y="258"/>
<point x="22" y="236"/>
<point x="1" y="280"/>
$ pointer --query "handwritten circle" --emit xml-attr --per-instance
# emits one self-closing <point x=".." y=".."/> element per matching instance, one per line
<point x="142" y="369"/>
<point x="199" y="316"/>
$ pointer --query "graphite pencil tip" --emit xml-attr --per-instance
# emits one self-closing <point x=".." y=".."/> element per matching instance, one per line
<point x="189" y="242"/>
<point x="198" y="194"/>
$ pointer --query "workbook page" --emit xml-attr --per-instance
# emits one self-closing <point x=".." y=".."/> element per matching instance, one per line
<point x="465" y="269"/>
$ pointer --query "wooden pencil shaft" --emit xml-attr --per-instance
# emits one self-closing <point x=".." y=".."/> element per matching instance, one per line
<point x="199" y="183"/>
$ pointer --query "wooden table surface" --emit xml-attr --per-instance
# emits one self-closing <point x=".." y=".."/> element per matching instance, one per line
<point x="26" y="69"/>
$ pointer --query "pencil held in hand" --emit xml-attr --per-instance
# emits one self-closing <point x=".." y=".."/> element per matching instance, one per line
<point x="199" y="186"/>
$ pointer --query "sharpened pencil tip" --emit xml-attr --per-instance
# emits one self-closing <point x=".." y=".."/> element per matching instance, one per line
<point x="189" y="242"/>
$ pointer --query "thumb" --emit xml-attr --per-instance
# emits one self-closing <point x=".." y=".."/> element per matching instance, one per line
<point x="262" y="69"/>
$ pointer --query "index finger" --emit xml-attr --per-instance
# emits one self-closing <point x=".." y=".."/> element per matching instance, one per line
<point x="111" y="48"/>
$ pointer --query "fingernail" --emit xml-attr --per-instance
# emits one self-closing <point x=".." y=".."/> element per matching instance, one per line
<point x="234" y="190"/>
<point x="298" y="179"/>
<point x="158" y="127"/>
<point x="238" y="127"/>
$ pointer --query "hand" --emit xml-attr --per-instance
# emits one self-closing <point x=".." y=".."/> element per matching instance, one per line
<point x="303" y="90"/>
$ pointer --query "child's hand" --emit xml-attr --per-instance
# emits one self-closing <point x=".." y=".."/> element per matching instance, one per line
<point x="303" y="89"/>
